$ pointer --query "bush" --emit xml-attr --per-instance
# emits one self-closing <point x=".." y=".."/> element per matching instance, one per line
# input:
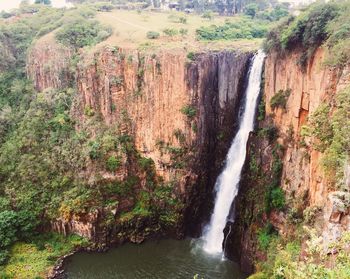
<point x="189" y="111"/>
<point x="280" y="99"/>
<point x="113" y="163"/>
<point x="251" y="9"/>
<point x="275" y="14"/>
<point x="265" y="236"/>
<point x="88" y="111"/>
<point x="152" y="35"/>
<point x="338" y="42"/>
<point x="183" y="20"/>
<point x="270" y="133"/>
<point x="171" y="32"/>
<point x="207" y="15"/>
<point x="321" y="128"/>
<point x="277" y="198"/>
<point x="104" y="7"/>
<point x="82" y="32"/>
<point x="8" y="228"/>
<point x="307" y="31"/>
<point x="191" y="56"/>
<point x="331" y="133"/>
<point x="183" y="32"/>
<point x="243" y="29"/>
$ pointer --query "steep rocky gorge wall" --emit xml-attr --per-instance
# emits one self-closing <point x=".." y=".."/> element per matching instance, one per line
<point x="302" y="177"/>
<point x="146" y="95"/>
<point x="48" y="65"/>
<point x="308" y="90"/>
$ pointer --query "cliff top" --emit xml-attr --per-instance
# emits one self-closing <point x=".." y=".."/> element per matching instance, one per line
<point x="175" y="29"/>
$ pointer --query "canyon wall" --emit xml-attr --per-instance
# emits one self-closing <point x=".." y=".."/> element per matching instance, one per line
<point x="165" y="101"/>
<point x="302" y="178"/>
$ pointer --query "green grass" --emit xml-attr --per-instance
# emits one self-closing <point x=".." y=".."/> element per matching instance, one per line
<point x="35" y="259"/>
<point x="131" y="28"/>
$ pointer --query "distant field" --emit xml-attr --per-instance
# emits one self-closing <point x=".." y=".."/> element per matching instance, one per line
<point x="130" y="29"/>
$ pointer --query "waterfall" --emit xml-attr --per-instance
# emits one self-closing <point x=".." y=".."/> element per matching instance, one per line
<point x="227" y="183"/>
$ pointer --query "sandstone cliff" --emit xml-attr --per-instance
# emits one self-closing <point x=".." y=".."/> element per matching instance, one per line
<point x="302" y="177"/>
<point x="181" y="114"/>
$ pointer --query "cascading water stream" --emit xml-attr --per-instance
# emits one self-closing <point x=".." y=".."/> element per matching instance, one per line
<point x="227" y="183"/>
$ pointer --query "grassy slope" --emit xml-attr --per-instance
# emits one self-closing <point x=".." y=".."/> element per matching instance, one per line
<point x="130" y="29"/>
<point x="35" y="259"/>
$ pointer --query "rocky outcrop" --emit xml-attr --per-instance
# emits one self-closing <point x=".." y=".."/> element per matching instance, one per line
<point x="48" y="64"/>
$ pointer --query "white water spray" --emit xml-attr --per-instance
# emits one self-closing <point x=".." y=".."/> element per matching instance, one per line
<point x="227" y="183"/>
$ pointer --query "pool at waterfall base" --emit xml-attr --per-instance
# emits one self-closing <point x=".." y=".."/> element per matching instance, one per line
<point x="154" y="259"/>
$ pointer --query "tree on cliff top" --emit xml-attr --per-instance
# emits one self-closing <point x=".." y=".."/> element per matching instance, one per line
<point x="82" y="32"/>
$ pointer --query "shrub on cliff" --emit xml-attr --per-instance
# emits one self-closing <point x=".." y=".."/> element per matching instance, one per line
<point x="322" y="24"/>
<point x="113" y="163"/>
<point x="330" y="130"/>
<point x="82" y="32"/>
<point x="280" y="99"/>
<point x="189" y="111"/>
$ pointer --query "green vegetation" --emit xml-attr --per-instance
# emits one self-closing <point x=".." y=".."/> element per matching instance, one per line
<point x="245" y="28"/>
<point x="284" y="259"/>
<point x="152" y="35"/>
<point x="191" y="56"/>
<point x="251" y="9"/>
<point x="189" y="111"/>
<point x="171" y="32"/>
<point x="270" y="132"/>
<point x="331" y="133"/>
<point x="45" y="2"/>
<point x="275" y="14"/>
<point x="113" y="163"/>
<point x="50" y="170"/>
<point x="207" y="15"/>
<point x="280" y="99"/>
<point x="82" y="32"/>
<point x="34" y="259"/>
<point x="261" y="110"/>
<point x="274" y="196"/>
<point x="321" y="24"/>
<point x="265" y="236"/>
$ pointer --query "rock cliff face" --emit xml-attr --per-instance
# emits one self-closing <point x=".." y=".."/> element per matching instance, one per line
<point x="308" y="90"/>
<point x="302" y="179"/>
<point x="166" y="102"/>
<point x="48" y="65"/>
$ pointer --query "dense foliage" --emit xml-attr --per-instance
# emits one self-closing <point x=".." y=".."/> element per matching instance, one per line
<point x="33" y="258"/>
<point x="80" y="33"/>
<point x="280" y="99"/>
<point x="331" y="130"/>
<point x="242" y="29"/>
<point x="284" y="259"/>
<point x="44" y="159"/>
<point x="326" y="24"/>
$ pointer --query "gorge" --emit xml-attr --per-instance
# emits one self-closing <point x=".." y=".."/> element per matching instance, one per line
<point x="228" y="181"/>
<point x="178" y="156"/>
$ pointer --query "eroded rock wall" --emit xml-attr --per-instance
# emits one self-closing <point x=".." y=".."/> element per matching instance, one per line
<point x="146" y="94"/>
<point x="302" y="178"/>
<point x="48" y="65"/>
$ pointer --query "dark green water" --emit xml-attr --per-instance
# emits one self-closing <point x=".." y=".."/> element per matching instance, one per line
<point x="162" y="259"/>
